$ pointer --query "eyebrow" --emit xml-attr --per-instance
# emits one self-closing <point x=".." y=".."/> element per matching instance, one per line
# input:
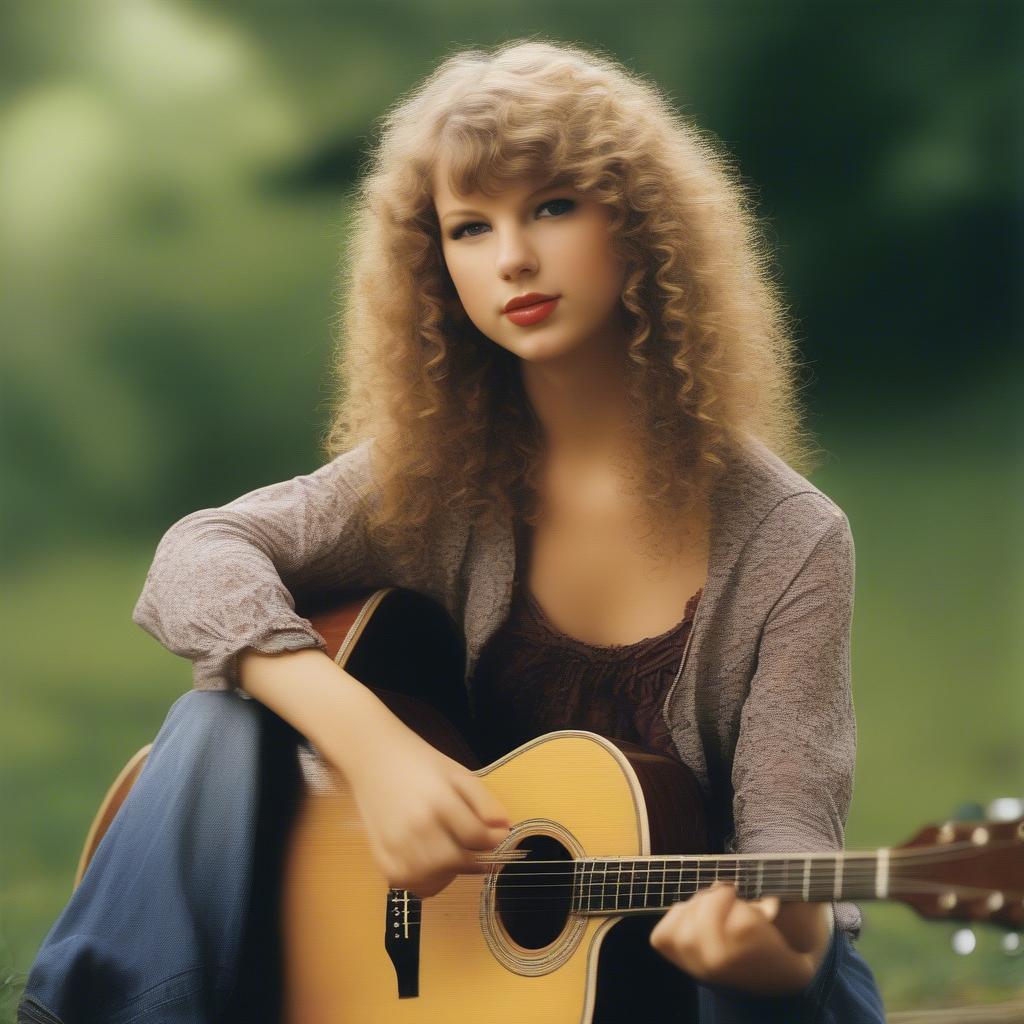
<point x="476" y="213"/>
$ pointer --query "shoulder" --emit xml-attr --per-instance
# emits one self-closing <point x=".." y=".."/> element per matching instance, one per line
<point x="770" y="517"/>
<point x="761" y="489"/>
<point x="354" y="469"/>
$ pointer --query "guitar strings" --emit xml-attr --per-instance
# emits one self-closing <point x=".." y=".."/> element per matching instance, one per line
<point x="852" y="859"/>
<point x="565" y="903"/>
<point x="917" y="884"/>
<point x="921" y="887"/>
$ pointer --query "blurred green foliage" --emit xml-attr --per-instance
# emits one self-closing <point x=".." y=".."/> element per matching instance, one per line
<point x="172" y="205"/>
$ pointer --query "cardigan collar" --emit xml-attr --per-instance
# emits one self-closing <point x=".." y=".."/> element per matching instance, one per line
<point x="755" y="481"/>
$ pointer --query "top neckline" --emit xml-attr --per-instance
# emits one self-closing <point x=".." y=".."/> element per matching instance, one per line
<point x="522" y="541"/>
<point x="608" y="650"/>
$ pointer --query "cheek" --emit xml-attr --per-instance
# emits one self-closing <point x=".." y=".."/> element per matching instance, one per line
<point x="592" y="263"/>
<point x="461" y="273"/>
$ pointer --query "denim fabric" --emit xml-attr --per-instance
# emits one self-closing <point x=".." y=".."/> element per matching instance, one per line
<point x="843" y="991"/>
<point x="162" y="927"/>
<point x="154" y="930"/>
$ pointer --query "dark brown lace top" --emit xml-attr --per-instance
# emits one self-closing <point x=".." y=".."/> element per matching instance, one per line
<point x="532" y="679"/>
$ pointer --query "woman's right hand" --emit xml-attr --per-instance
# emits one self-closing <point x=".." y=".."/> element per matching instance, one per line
<point x="424" y="813"/>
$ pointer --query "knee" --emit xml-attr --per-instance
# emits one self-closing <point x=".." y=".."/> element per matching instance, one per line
<point x="218" y="720"/>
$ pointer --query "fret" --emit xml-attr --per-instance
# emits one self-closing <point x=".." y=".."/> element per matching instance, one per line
<point x="664" y="880"/>
<point x="747" y="888"/>
<point x="687" y="868"/>
<point x="778" y="876"/>
<point x="727" y="870"/>
<point x="790" y="875"/>
<point x="807" y="879"/>
<point x="837" y="875"/>
<point x="741" y="880"/>
<point x="693" y="869"/>
<point x="760" y="879"/>
<point x="822" y="877"/>
<point x="650" y="900"/>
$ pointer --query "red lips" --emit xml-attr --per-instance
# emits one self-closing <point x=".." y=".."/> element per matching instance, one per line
<point x="529" y="299"/>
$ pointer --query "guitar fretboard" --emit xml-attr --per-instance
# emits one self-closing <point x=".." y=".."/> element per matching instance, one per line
<point x="653" y="883"/>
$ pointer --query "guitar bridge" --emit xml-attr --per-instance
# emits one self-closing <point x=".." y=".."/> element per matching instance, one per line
<point x="402" y="939"/>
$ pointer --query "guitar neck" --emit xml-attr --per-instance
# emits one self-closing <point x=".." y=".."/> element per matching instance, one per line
<point x="604" y="886"/>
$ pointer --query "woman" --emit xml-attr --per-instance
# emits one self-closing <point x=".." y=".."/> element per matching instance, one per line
<point x="567" y="410"/>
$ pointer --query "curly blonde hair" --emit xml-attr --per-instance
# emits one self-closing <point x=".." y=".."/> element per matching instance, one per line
<point x="710" y="356"/>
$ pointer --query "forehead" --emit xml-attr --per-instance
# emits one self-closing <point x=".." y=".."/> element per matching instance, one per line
<point x="446" y="193"/>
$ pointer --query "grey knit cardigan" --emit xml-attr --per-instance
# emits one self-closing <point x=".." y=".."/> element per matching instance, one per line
<point x="761" y="708"/>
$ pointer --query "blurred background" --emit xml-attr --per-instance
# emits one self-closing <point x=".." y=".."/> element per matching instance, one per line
<point x="172" y="180"/>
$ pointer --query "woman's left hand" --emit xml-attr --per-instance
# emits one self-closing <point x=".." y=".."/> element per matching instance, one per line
<point x="720" y="939"/>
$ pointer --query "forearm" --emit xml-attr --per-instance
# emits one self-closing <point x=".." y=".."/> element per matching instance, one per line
<point x="330" y="707"/>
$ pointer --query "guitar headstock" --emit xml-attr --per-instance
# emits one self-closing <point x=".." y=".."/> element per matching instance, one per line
<point x="963" y="871"/>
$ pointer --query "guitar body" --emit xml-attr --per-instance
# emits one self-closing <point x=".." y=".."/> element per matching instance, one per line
<point x="356" y="950"/>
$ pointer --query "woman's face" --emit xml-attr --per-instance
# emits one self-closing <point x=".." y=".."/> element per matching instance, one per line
<point x="555" y="242"/>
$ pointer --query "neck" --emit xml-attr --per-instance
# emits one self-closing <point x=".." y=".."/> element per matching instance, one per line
<point x="647" y="884"/>
<point x="580" y="401"/>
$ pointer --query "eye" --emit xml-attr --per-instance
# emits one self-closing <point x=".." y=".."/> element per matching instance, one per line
<point x="462" y="229"/>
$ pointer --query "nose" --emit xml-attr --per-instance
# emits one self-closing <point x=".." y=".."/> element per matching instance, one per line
<point x="515" y="255"/>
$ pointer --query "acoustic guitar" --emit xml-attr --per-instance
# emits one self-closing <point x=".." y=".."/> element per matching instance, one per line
<point x="602" y="830"/>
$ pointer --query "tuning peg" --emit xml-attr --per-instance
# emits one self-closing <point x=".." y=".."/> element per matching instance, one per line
<point x="1012" y="945"/>
<point x="1005" y="808"/>
<point x="963" y="941"/>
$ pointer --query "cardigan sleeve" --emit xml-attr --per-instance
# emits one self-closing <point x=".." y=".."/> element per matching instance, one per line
<point x="221" y="577"/>
<point x="794" y="761"/>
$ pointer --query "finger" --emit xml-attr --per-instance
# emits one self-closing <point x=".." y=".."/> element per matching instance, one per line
<point x="705" y="927"/>
<point x="674" y="923"/>
<point x="468" y="833"/>
<point x="744" y="922"/>
<point x="768" y="906"/>
<point x="716" y="905"/>
<point x="483" y="803"/>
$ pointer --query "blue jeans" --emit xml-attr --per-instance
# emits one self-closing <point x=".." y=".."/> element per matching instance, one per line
<point x="154" y="931"/>
<point x="162" y="927"/>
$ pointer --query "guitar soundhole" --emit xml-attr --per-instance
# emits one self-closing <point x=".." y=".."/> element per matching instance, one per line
<point x="532" y="896"/>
